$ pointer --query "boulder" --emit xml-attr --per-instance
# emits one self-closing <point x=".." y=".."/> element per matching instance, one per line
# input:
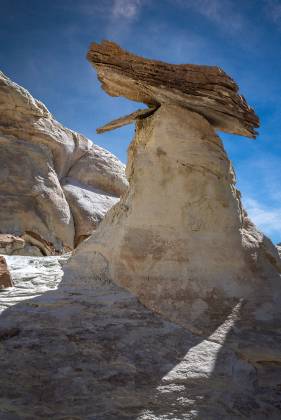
<point x="37" y="155"/>
<point x="5" y="277"/>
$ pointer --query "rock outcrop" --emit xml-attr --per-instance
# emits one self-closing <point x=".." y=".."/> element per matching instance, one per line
<point x="47" y="175"/>
<point x="179" y="239"/>
<point x="5" y="277"/>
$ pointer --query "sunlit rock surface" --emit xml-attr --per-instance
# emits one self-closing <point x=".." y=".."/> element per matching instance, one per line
<point x="37" y="155"/>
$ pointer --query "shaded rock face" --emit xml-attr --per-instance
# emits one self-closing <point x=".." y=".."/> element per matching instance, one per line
<point x="39" y="160"/>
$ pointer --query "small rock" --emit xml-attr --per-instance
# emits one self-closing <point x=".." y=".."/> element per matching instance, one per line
<point x="5" y="277"/>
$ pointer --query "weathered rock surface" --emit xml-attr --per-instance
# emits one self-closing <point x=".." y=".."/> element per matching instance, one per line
<point x="37" y="155"/>
<point x="88" y="205"/>
<point x="204" y="89"/>
<point x="97" y="353"/>
<point x="128" y="119"/>
<point x="180" y="240"/>
<point x="5" y="277"/>
<point x="10" y="244"/>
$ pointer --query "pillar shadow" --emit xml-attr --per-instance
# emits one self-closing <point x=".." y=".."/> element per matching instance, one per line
<point x="99" y="354"/>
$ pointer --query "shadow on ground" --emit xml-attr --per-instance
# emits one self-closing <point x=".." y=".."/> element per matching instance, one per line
<point x="98" y="354"/>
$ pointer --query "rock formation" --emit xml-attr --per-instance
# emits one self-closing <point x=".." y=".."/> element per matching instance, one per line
<point x="204" y="89"/>
<point x="179" y="239"/>
<point x="56" y="185"/>
<point x="5" y="278"/>
<point x="171" y="309"/>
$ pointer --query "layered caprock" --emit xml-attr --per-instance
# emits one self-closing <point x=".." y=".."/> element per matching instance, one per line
<point x="204" y="89"/>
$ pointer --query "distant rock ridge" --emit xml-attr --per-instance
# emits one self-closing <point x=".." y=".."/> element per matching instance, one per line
<point x="48" y="174"/>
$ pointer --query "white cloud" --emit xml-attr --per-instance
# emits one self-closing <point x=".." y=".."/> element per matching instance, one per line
<point x="126" y="8"/>
<point x="273" y="10"/>
<point x="220" y="12"/>
<point x="267" y="219"/>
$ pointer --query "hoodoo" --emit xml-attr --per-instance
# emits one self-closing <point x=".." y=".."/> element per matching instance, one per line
<point x="179" y="238"/>
<point x="171" y="308"/>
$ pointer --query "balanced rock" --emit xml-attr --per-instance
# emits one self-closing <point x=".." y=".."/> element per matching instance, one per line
<point x="39" y="162"/>
<point x="179" y="239"/>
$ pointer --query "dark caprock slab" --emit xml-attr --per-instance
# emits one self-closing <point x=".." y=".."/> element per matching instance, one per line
<point x="207" y="90"/>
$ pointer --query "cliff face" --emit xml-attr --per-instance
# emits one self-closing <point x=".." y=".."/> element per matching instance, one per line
<point x="56" y="185"/>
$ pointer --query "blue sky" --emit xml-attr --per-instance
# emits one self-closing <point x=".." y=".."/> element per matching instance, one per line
<point x="43" y="46"/>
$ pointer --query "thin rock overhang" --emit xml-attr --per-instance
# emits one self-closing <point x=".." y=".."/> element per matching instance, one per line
<point x="207" y="90"/>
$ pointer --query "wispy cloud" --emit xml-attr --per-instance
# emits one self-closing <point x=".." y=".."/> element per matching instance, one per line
<point x="220" y="12"/>
<point x="273" y="10"/>
<point x="110" y="9"/>
<point x="127" y="9"/>
<point x="267" y="219"/>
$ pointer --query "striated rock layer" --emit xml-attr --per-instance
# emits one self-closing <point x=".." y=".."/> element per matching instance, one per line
<point x="207" y="90"/>
<point x="47" y="174"/>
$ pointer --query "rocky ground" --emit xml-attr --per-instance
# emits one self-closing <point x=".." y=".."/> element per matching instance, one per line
<point x="98" y="354"/>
